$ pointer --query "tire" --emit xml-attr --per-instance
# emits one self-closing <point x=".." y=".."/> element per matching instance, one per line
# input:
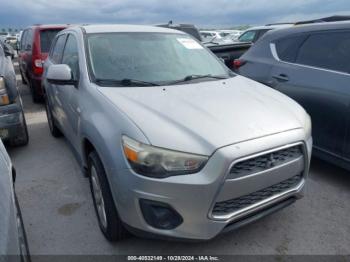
<point x="22" y="139"/>
<point x="106" y="211"/>
<point x="24" y="82"/>
<point x="35" y="96"/>
<point x="24" y="248"/>
<point x="55" y="132"/>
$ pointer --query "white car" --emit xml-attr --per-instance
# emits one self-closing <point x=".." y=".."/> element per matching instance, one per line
<point x="208" y="36"/>
<point x="233" y="34"/>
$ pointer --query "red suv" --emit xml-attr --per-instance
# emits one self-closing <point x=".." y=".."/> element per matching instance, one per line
<point x="34" y="48"/>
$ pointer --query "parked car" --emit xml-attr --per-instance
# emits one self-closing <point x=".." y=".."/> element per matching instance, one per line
<point x="253" y="34"/>
<point x="13" y="127"/>
<point x="8" y="50"/>
<point x="35" y="45"/>
<point x="230" y="32"/>
<point x="19" y="38"/>
<point x="175" y="145"/>
<point x="207" y="36"/>
<point x="230" y="38"/>
<point x="310" y="64"/>
<point x="212" y="36"/>
<point x="334" y="18"/>
<point x="228" y="52"/>
<point x="12" y="41"/>
<point x="187" y="28"/>
<point x="13" y="241"/>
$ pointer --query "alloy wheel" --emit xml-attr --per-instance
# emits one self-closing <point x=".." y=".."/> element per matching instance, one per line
<point x="98" y="197"/>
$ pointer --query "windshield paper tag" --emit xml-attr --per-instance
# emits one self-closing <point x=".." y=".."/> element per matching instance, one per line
<point x="189" y="43"/>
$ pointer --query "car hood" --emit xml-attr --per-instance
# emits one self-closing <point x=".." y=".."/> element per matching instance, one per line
<point x="201" y="117"/>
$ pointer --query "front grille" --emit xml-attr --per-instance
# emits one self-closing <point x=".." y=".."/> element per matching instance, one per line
<point x="265" y="162"/>
<point x="232" y="205"/>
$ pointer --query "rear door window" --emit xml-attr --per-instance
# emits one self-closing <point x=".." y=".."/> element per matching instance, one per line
<point x="46" y="37"/>
<point x="330" y="50"/>
<point x="26" y="41"/>
<point x="23" y="40"/>
<point x="57" y="50"/>
<point x="29" y="40"/>
<point x="287" y="48"/>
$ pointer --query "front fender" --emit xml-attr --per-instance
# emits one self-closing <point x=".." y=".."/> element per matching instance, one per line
<point x="103" y="125"/>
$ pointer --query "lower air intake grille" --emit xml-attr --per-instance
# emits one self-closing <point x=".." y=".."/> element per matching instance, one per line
<point x="232" y="205"/>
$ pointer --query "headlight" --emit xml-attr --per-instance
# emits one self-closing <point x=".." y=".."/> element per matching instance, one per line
<point x="4" y="99"/>
<point x="158" y="162"/>
<point x="308" y="126"/>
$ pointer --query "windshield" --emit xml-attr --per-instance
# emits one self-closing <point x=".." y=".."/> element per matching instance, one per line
<point x="150" y="57"/>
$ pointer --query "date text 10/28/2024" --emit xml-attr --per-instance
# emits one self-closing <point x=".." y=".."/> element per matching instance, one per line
<point x="173" y="258"/>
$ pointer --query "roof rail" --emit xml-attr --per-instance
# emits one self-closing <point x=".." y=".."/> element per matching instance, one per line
<point x="334" y="18"/>
<point x="285" y="23"/>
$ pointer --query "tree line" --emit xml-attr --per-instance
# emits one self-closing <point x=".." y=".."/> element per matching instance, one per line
<point x="11" y="30"/>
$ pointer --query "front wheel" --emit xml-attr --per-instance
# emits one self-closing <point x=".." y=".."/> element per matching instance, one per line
<point x="22" y="137"/>
<point x="22" y="77"/>
<point x="22" y="237"/>
<point x="108" y="218"/>
<point x="35" y="96"/>
<point x="55" y="132"/>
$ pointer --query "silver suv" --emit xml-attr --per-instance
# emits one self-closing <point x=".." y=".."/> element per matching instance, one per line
<point x="175" y="145"/>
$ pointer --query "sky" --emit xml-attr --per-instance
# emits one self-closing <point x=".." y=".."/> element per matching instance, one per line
<point x="203" y="13"/>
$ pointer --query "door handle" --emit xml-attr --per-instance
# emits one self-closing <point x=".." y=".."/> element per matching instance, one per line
<point x="281" y="77"/>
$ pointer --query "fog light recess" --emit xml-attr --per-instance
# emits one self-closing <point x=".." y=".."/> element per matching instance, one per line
<point x="160" y="215"/>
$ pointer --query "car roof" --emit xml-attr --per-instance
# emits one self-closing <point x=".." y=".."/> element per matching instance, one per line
<point x="49" y="26"/>
<point x="208" y="31"/>
<point x="116" y="28"/>
<point x="305" y="28"/>
<point x="277" y="26"/>
<point x="229" y="30"/>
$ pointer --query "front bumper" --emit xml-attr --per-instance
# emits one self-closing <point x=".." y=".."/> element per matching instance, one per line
<point x="11" y="120"/>
<point x="194" y="196"/>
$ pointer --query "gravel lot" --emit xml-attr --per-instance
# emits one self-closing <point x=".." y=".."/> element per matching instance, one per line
<point x="60" y="219"/>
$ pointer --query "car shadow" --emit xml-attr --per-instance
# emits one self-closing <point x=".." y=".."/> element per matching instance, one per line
<point x="321" y="170"/>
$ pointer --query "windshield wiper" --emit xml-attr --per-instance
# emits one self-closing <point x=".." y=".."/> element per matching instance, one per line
<point x="194" y="77"/>
<point x="125" y="82"/>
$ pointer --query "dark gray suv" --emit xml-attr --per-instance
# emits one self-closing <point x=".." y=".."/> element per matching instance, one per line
<point x="311" y="64"/>
<point x="13" y="127"/>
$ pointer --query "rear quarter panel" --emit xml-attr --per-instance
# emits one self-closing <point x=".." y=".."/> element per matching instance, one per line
<point x="259" y="62"/>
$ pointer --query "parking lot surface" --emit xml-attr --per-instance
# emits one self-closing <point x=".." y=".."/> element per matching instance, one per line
<point x="60" y="219"/>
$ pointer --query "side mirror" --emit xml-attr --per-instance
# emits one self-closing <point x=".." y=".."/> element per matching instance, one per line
<point x="60" y="75"/>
